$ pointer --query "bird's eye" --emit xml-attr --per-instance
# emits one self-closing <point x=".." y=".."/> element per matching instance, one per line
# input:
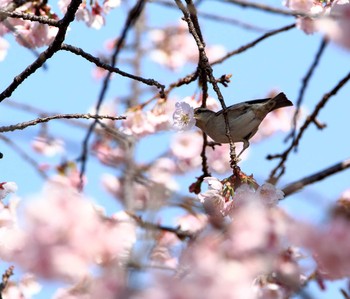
<point x="199" y="110"/>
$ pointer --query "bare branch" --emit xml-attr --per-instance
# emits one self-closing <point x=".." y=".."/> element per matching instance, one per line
<point x="268" y="8"/>
<point x="99" y="63"/>
<point x="30" y="17"/>
<point x="305" y="82"/>
<point x="48" y="53"/>
<point x="34" y="122"/>
<point x="274" y="177"/>
<point x="253" y="43"/>
<point x="318" y="176"/>
<point x="132" y="17"/>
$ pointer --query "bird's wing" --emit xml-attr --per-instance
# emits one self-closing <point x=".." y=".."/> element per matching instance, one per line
<point x="237" y="109"/>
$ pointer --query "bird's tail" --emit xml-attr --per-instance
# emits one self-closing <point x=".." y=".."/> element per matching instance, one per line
<point x="281" y="101"/>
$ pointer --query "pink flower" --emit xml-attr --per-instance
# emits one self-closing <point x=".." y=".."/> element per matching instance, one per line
<point x="137" y="124"/>
<point x="162" y="171"/>
<point x="4" y="45"/>
<point x="48" y="146"/>
<point x="93" y="16"/>
<point x="108" y="155"/>
<point x="173" y="47"/>
<point x="192" y="222"/>
<point x="140" y="192"/>
<point x="6" y="188"/>
<point x="183" y="117"/>
<point x="186" y="149"/>
<point x="219" y="157"/>
<point x="300" y="5"/>
<point x="213" y="199"/>
<point x="25" y="288"/>
<point x="58" y="228"/>
<point x="337" y="28"/>
<point x="33" y="34"/>
<point x="333" y="261"/>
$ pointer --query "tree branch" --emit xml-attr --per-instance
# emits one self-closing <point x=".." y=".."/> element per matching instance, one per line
<point x="318" y="176"/>
<point x="34" y="122"/>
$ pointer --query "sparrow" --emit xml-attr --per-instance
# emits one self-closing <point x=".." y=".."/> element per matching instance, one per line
<point x="244" y="119"/>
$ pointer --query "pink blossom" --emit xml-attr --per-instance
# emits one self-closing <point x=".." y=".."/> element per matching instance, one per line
<point x="192" y="222"/>
<point x="186" y="148"/>
<point x="33" y="35"/>
<point x="267" y="195"/>
<point x="337" y="29"/>
<point x="59" y="227"/>
<point x="219" y="157"/>
<point x="140" y="192"/>
<point x="48" y="146"/>
<point x="333" y="261"/>
<point x="173" y="47"/>
<point x="6" y="188"/>
<point x="4" y="3"/>
<point x="10" y="233"/>
<point x="160" y="115"/>
<point x="137" y="124"/>
<point x="4" y="45"/>
<point x="110" y="4"/>
<point x="300" y="5"/>
<point x="346" y="195"/>
<point x="93" y="16"/>
<point x="213" y="199"/>
<point x="307" y="24"/>
<point x="25" y="288"/>
<point x="162" y="171"/>
<point x="108" y="285"/>
<point x="183" y="117"/>
<point x="108" y="155"/>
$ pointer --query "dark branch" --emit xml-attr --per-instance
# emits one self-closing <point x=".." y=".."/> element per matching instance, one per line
<point x="318" y="176"/>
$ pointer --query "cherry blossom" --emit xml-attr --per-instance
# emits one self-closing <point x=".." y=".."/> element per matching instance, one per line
<point x="137" y="124"/>
<point x="58" y="227"/>
<point x="93" y="16"/>
<point x="48" y="146"/>
<point x="173" y="47"/>
<point x="337" y="28"/>
<point x="183" y="117"/>
<point x="333" y="261"/>
<point x="34" y="35"/>
<point x="6" y="188"/>
<point x="4" y="45"/>
<point x="186" y="148"/>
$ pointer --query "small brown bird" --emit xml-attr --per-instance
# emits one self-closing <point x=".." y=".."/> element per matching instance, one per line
<point x="244" y="119"/>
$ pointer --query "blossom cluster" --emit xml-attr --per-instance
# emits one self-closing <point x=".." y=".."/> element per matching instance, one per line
<point x="328" y="17"/>
<point x="256" y="252"/>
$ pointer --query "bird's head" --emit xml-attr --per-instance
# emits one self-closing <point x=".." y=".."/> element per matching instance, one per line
<point x="202" y="116"/>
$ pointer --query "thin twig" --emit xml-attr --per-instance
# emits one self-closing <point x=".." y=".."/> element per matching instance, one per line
<point x="253" y="43"/>
<point x="218" y="18"/>
<point x="304" y="85"/>
<point x="192" y="77"/>
<point x="181" y="234"/>
<point x="29" y="17"/>
<point x="34" y="122"/>
<point x="48" y="53"/>
<point x="274" y="176"/>
<point x="133" y="15"/>
<point x="318" y="176"/>
<point x="99" y="63"/>
<point x="194" y="28"/>
<point x="271" y="9"/>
